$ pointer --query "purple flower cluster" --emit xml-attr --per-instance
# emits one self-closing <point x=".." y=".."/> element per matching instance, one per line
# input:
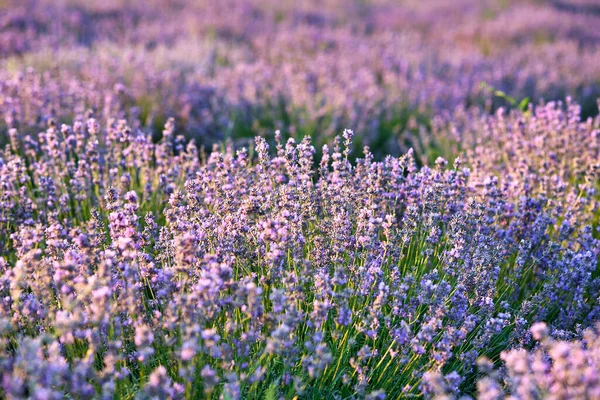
<point x="556" y="369"/>
<point x="547" y="152"/>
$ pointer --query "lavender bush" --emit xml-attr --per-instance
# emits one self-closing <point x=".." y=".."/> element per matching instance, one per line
<point x="446" y="247"/>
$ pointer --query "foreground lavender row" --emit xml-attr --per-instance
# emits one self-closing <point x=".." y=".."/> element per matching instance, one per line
<point x="133" y="269"/>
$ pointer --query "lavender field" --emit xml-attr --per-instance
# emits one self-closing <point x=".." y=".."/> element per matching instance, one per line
<point x="311" y="199"/>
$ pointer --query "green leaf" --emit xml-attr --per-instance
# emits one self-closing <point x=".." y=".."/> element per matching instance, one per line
<point x="271" y="392"/>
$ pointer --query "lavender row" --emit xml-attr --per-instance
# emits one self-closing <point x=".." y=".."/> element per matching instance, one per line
<point x="241" y="68"/>
<point x="134" y="267"/>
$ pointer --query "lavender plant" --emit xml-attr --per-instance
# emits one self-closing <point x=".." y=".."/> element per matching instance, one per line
<point x="555" y="369"/>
